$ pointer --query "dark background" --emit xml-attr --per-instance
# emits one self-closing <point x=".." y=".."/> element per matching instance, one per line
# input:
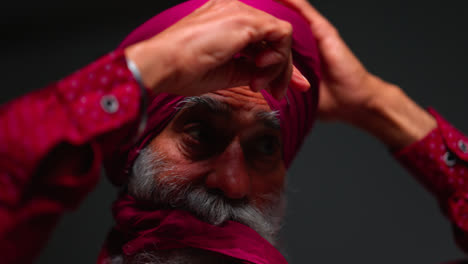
<point x="349" y="201"/>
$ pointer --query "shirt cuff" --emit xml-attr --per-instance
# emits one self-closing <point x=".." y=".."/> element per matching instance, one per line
<point x="143" y="98"/>
<point x="100" y="98"/>
<point x="440" y="162"/>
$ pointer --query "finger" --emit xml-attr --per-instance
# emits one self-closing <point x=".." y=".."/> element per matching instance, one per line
<point x="266" y="55"/>
<point x="274" y="55"/>
<point x="279" y="54"/>
<point x="263" y="55"/>
<point x="320" y="26"/>
<point x="279" y="86"/>
<point x="298" y="81"/>
<point x="269" y="48"/>
<point x="260" y="81"/>
<point x="265" y="76"/>
<point x="244" y="69"/>
<point x="269" y="57"/>
<point x="306" y="9"/>
<point x="279" y="41"/>
<point x="236" y="72"/>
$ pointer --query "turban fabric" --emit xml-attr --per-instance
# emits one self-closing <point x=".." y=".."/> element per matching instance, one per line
<point x="139" y="225"/>
<point x="296" y="113"/>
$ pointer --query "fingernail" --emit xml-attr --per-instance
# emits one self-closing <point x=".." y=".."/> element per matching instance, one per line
<point x="300" y="80"/>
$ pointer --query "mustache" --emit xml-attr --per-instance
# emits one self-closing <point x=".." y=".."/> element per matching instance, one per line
<point x="209" y="205"/>
<point x="213" y="207"/>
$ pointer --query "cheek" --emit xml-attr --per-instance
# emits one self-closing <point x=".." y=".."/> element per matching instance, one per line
<point x="267" y="184"/>
<point x="187" y="171"/>
<point x="181" y="169"/>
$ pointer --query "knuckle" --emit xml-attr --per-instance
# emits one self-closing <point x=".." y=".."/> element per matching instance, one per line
<point x="242" y="23"/>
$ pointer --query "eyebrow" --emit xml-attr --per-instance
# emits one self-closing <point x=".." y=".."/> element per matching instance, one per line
<point x="268" y="118"/>
<point x="203" y="101"/>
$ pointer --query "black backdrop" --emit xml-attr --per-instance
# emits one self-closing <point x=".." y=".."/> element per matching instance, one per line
<point x="349" y="201"/>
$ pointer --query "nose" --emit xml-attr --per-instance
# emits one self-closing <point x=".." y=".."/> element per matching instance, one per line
<point x="230" y="174"/>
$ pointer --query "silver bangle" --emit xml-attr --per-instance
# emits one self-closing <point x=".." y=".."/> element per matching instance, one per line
<point x="143" y="98"/>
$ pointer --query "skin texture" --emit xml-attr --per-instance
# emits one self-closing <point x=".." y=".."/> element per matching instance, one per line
<point x="229" y="152"/>
<point x="348" y="92"/>
<point x="196" y="55"/>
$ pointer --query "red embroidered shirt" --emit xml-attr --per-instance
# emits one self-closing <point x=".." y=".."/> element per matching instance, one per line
<point x="47" y="137"/>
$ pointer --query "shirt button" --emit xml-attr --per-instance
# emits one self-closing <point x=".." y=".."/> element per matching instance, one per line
<point x="449" y="159"/>
<point x="109" y="104"/>
<point x="462" y="146"/>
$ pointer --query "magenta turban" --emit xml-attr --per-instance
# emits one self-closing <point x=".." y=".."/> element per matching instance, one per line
<point x="297" y="113"/>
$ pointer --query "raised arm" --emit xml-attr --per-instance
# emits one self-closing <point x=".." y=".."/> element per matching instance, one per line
<point x="52" y="141"/>
<point x="421" y="140"/>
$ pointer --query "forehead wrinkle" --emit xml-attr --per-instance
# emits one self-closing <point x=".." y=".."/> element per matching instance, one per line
<point x="253" y="103"/>
<point x="234" y="100"/>
<point x="242" y="96"/>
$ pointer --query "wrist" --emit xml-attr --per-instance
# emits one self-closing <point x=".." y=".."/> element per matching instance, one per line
<point x="395" y="119"/>
<point x="152" y="62"/>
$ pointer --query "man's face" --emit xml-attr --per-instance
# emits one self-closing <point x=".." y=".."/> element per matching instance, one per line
<point x="220" y="158"/>
<point x="231" y="144"/>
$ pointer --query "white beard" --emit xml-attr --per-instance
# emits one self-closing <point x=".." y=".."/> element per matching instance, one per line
<point x="214" y="208"/>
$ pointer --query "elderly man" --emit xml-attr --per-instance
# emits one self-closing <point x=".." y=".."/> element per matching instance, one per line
<point x="203" y="168"/>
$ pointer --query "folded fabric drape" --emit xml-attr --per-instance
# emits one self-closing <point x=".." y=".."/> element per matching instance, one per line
<point x="297" y="113"/>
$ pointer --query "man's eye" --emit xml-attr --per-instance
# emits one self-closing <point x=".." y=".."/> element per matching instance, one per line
<point x="200" y="141"/>
<point x="196" y="132"/>
<point x="268" y="145"/>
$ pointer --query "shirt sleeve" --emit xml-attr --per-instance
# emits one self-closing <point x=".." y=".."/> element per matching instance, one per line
<point x="440" y="163"/>
<point x="52" y="142"/>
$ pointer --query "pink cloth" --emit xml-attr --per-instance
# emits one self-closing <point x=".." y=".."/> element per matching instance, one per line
<point x="33" y="198"/>
<point x="70" y="111"/>
<point x="296" y="117"/>
<point x="142" y="227"/>
<point x="439" y="162"/>
<point x="179" y="229"/>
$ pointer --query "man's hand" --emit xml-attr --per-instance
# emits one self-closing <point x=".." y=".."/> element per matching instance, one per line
<point x="347" y="86"/>
<point x="222" y="44"/>
<point x="351" y="94"/>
